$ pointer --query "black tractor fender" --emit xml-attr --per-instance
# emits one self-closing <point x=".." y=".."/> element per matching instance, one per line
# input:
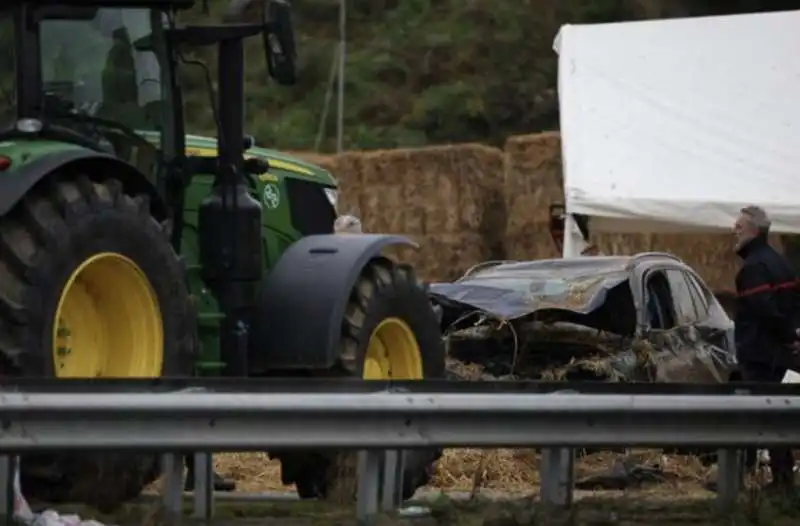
<point x="15" y="185"/>
<point x="300" y="305"/>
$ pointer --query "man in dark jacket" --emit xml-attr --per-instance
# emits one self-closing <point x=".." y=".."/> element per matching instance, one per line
<point x="766" y="311"/>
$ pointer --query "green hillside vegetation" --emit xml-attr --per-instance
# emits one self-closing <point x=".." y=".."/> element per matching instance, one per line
<point x="431" y="71"/>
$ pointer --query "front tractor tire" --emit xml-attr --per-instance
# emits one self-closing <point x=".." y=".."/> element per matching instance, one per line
<point x="90" y="287"/>
<point x="389" y="332"/>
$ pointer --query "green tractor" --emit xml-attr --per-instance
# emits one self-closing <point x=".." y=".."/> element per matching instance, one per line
<point x="129" y="249"/>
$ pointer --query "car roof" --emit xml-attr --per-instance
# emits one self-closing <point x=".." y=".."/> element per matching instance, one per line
<point x="574" y="267"/>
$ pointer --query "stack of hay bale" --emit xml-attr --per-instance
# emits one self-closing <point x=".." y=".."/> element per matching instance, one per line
<point x="447" y="199"/>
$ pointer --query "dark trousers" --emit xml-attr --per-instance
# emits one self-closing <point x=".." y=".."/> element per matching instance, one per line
<point x="781" y="459"/>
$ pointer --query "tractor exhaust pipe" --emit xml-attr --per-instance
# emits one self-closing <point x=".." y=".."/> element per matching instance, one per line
<point x="231" y="107"/>
<point x="229" y="219"/>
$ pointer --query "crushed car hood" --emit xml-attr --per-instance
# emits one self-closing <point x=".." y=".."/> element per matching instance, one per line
<point x="513" y="290"/>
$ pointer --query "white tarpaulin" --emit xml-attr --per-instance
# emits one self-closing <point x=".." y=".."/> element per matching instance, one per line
<point x="674" y="125"/>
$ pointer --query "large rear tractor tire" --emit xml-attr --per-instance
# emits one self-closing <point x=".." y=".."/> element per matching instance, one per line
<point x="90" y="287"/>
<point x="389" y="332"/>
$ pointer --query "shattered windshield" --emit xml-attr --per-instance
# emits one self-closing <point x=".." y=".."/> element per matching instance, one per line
<point x="539" y="286"/>
<point x="91" y="66"/>
<point x="515" y="290"/>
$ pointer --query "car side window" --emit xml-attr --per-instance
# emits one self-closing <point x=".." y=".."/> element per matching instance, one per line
<point x="698" y="295"/>
<point x="659" y="308"/>
<point x="685" y="312"/>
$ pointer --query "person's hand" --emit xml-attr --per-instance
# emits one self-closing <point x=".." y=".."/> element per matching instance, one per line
<point x="796" y="347"/>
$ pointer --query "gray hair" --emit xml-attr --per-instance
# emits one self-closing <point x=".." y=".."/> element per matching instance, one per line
<point x="347" y="224"/>
<point x="758" y="217"/>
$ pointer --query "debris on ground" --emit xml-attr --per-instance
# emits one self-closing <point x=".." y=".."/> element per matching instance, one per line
<point x="23" y="513"/>
<point x="625" y="473"/>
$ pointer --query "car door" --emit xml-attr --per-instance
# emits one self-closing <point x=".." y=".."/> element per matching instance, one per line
<point x="670" y="329"/>
<point x="696" y="340"/>
<point x="714" y="327"/>
<point x="662" y="358"/>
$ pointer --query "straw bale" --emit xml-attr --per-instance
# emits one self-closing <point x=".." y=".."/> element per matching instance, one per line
<point x="438" y="190"/>
<point x="533" y="182"/>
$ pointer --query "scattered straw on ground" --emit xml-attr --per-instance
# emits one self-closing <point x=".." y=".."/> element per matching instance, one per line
<point x="511" y="470"/>
<point x="253" y="472"/>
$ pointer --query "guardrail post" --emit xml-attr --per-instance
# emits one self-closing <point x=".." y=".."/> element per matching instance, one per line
<point x="380" y="482"/>
<point x="729" y="478"/>
<point x="557" y="475"/>
<point x="6" y="489"/>
<point x="392" y="487"/>
<point x="172" y="492"/>
<point x="203" y="486"/>
<point x="370" y="468"/>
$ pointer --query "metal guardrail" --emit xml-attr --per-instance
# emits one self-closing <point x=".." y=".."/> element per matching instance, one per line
<point x="380" y="424"/>
<point x="357" y="385"/>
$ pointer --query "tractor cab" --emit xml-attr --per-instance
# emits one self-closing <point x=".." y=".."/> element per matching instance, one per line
<point x="103" y="74"/>
<point x="91" y="74"/>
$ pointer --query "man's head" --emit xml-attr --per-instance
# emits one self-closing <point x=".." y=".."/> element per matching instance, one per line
<point x="752" y="222"/>
<point x="347" y="224"/>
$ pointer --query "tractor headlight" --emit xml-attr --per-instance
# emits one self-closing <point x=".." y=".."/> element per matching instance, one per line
<point x="333" y="197"/>
<point x="29" y="125"/>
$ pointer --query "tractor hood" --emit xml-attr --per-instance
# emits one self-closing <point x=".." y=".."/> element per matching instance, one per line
<point x="293" y="166"/>
<point x="289" y="165"/>
<point x="508" y="291"/>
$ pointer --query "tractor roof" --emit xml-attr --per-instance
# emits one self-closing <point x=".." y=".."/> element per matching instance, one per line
<point x="156" y="4"/>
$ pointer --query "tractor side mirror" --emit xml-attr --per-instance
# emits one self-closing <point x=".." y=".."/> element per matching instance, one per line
<point x="279" y="46"/>
<point x="279" y="42"/>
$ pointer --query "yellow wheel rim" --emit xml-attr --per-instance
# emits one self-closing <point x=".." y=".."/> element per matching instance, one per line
<point x="108" y="322"/>
<point x="393" y="352"/>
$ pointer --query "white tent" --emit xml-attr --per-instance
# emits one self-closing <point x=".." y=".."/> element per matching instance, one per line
<point x="674" y="125"/>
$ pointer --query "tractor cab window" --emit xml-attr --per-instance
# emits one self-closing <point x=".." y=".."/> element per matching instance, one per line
<point x="97" y="66"/>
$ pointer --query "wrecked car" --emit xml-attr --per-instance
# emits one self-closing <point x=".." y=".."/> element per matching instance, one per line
<point x="642" y="318"/>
